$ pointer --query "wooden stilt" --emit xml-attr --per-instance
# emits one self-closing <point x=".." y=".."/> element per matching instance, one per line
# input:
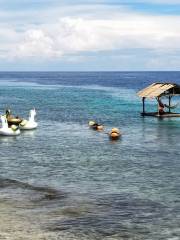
<point x="169" y="104"/>
<point x="143" y="99"/>
<point x="158" y="106"/>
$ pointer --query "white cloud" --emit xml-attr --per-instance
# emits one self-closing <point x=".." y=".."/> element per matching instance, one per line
<point x="36" y="43"/>
<point x="73" y="35"/>
<point x="89" y="32"/>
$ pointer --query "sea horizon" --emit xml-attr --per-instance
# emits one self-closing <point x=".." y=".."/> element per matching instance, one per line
<point x="88" y="71"/>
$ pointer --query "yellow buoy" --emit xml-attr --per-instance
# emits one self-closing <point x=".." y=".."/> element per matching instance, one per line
<point x="114" y="134"/>
<point x="91" y="123"/>
<point x="115" y="130"/>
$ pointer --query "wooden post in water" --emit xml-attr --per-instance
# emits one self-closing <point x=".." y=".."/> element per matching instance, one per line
<point x="169" y="104"/>
<point x="158" y="106"/>
<point x="143" y="100"/>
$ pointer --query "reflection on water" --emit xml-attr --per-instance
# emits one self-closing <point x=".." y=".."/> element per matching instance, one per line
<point x="29" y="133"/>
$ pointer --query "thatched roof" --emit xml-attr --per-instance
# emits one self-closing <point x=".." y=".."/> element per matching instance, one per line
<point x="159" y="89"/>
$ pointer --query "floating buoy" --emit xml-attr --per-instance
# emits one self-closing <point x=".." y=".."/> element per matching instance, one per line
<point x="114" y="134"/>
<point x="94" y="125"/>
<point x="100" y="127"/>
<point x="91" y="123"/>
<point x="115" y="130"/>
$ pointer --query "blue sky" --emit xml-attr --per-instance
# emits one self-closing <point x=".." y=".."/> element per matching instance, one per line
<point x="55" y="35"/>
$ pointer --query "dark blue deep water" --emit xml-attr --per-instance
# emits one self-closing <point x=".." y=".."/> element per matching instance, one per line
<point x="65" y="181"/>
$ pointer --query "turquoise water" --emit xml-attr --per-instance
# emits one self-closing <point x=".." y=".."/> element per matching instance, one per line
<point x="65" y="181"/>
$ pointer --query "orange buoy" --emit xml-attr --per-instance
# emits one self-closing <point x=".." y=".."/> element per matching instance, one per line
<point x="114" y="134"/>
<point x="100" y="127"/>
<point x="116" y="130"/>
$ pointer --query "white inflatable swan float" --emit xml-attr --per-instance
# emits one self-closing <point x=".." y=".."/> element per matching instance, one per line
<point x="5" y="130"/>
<point x="29" y="124"/>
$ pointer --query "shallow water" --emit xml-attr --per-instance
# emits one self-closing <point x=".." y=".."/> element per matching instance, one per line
<point x="64" y="181"/>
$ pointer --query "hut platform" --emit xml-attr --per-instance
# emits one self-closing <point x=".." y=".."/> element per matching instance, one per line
<point x="164" y="115"/>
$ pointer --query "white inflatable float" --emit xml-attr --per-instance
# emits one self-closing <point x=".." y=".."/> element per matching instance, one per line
<point x="5" y="130"/>
<point x="29" y="124"/>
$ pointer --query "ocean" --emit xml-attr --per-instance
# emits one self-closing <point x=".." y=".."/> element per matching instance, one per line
<point x="66" y="181"/>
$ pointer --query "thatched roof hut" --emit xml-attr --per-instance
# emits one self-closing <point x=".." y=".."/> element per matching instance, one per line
<point x="158" y="90"/>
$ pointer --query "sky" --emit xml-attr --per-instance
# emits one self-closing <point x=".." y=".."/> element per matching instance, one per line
<point x="84" y="35"/>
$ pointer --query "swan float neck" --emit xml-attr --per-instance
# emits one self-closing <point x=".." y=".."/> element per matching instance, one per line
<point x="32" y="115"/>
<point x="4" y="122"/>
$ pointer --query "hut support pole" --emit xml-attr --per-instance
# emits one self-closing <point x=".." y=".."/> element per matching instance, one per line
<point x="158" y="106"/>
<point x="143" y="100"/>
<point x="169" y="104"/>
